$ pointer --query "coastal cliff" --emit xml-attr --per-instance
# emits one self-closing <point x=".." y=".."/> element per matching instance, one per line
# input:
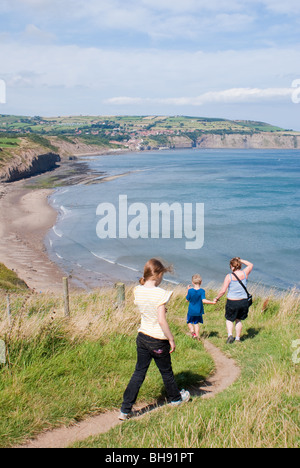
<point x="27" y="165"/>
<point x="256" y="141"/>
<point x="28" y="158"/>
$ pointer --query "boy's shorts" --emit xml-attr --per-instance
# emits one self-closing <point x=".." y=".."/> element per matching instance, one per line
<point x="236" y="310"/>
<point x="194" y="319"/>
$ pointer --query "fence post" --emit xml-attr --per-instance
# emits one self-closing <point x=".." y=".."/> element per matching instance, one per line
<point x="8" y="308"/>
<point x="66" y="297"/>
<point x="120" y="287"/>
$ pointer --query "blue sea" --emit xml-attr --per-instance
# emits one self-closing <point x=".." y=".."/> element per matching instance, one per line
<point x="251" y="201"/>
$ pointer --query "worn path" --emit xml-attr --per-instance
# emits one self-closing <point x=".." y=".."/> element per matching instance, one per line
<point x="225" y="374"/>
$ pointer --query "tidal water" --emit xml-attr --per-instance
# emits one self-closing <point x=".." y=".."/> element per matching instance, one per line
<point x="251" y="209"/>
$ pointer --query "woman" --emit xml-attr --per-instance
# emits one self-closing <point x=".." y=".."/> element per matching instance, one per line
<point x="155" y="339"/>
<point x="237" y="300"/>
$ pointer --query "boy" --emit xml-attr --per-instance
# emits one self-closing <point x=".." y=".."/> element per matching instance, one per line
<point x="196" y="299"/>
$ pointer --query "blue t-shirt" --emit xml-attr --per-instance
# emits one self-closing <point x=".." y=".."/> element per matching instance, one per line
<point x="195" y="297"/>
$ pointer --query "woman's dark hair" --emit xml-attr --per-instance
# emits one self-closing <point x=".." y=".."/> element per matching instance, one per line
<point x="236" y="263"/>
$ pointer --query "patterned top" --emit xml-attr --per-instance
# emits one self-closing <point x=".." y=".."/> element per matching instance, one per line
<point x="236" y="290"/>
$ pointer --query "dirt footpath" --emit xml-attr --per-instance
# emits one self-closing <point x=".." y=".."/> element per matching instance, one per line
<point x="225" y="374"/>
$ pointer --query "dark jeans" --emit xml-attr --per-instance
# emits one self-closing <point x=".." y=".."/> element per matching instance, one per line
<point x="149" y="348"/>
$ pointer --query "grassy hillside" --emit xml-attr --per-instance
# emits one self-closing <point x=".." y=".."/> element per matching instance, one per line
<point x="59" y="370"/>
<point x="73" y="124"/>
<point x="9" y="280"/>
<point x="75" y="135"/>
<point x="19" y="148"/>
<point x="259" y="410"/>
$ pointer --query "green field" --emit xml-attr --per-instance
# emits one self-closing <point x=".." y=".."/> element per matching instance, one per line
<point x="117" y="132"/>
<point x="7" y="142"/>
<point x="72" y="124"/>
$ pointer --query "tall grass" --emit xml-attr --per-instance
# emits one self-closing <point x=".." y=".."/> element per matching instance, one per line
<point x="260" y="410"/>
<point x="59" y="369"/>
<point x="93" y="315"/>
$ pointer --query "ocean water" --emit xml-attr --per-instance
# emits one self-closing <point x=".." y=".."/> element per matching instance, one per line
<point x="251" y="201"/>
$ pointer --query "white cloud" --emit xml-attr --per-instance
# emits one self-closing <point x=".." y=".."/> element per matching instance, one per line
<point x="192" y="6"/>
<point x="35" y="34"/>
<point x="200" y="53"/>
<point x="124" y="101"/>
<point x="152" y="72"/>
<point x="157" y="20"/>
<point x="228" y="96"/>
<point x="179" y="21"/>
<point x="287" y="7"/>
<point x="150" y="11"/>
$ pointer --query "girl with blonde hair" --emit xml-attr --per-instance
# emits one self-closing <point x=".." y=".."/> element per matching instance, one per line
<point x="155" y="339"/>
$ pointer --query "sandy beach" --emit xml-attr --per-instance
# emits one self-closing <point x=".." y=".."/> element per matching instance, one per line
<point x="25" y="218"/>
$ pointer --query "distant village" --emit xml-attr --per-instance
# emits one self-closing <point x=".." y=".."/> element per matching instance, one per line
<point x="148" y="132"/>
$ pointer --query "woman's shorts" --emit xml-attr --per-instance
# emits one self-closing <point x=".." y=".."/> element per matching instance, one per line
<point x="236" y="310"/>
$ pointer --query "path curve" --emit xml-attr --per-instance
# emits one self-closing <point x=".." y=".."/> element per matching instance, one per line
<point x="226" y="373"/>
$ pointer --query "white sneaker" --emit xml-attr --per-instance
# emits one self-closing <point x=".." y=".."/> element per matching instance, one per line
<point x="185" y="396"/>
<point x="124" y="416"/>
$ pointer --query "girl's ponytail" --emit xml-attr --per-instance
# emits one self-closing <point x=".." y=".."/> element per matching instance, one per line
<point x="153" y="270"/>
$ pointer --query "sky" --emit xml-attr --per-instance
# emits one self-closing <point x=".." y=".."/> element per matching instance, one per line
<point x="235" y="59"/>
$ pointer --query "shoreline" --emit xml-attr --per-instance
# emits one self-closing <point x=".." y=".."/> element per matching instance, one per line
<point x="25" y="219"/>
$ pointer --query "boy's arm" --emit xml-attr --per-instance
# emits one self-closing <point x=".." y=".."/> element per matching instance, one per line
<point x="205" y="301"/>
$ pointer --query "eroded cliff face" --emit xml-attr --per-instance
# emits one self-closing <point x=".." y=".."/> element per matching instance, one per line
<point x="27" y="165"/>
<point x="255" y="141"/>
<point x="30" y="159"/>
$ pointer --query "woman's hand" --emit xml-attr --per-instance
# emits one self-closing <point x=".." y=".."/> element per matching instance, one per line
<point x="249" y="267"/>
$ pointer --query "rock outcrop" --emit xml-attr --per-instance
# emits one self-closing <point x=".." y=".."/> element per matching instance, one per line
<point x="29" y="159"/>
<point x="181" y="142"/>
<point x="263" y="140"/>
<point x="28" y="165"/>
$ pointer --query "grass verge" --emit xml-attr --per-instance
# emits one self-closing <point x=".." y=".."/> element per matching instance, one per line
<point x="60" y="370"/>
<point x="9" y="281"/>
<point x="259" y="410"/>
